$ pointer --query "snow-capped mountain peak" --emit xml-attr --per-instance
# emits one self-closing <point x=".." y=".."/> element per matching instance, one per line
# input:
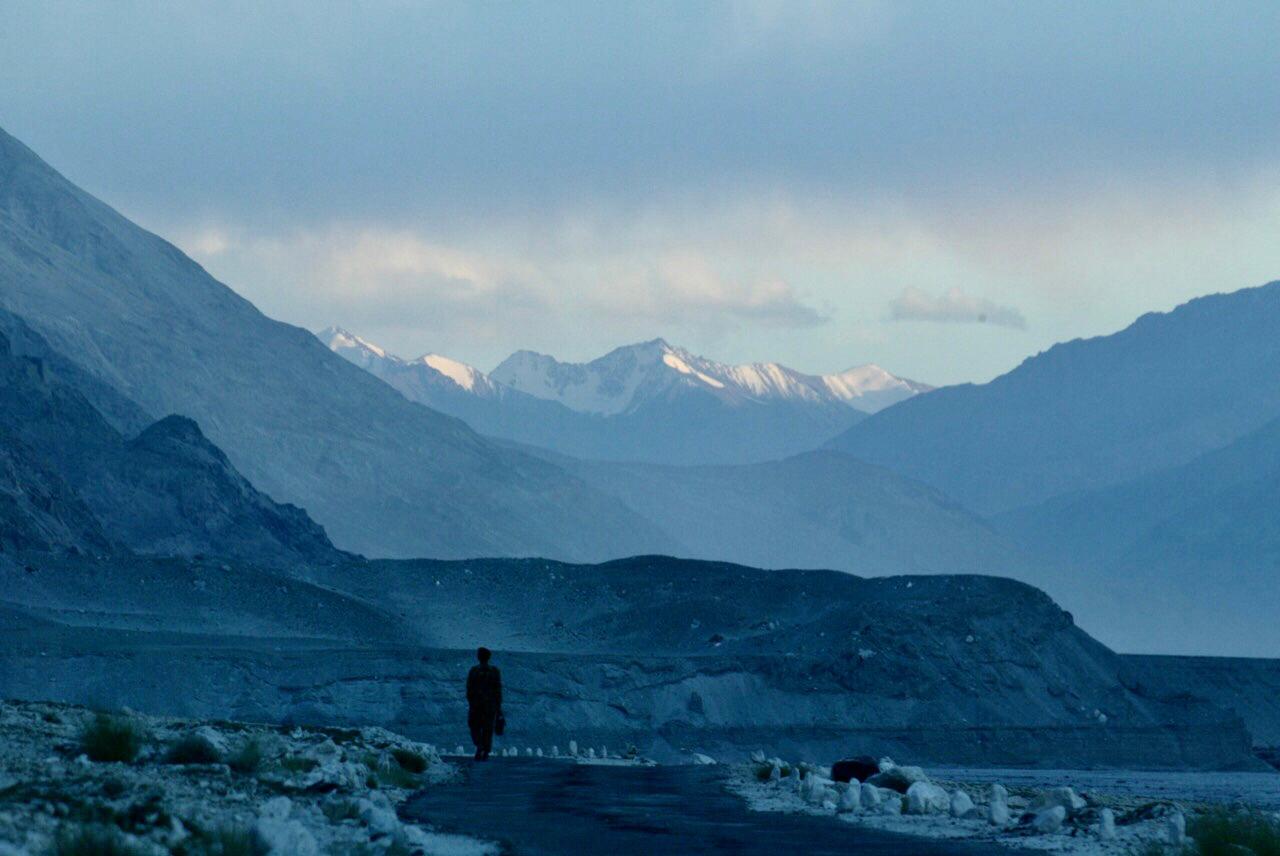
<point x="465" y="376"/>
<point x="625" y="377"/>
<point x="351" y="346"/>
<point x="628" y="377"/>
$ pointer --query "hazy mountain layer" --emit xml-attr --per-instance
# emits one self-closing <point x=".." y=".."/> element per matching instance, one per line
<point x="168" y="490"/>
<point x="1198" y="545"/>
<point x="384" y="475"/>
<point x="1089" y="413"/>
<point x="648" y="402"/>
<point x="816" y="510"/>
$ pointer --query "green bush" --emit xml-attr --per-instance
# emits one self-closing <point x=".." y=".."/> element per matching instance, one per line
<point x="391" y="776"/>
<point x="224" y="841"/>
<point x="111" y="738"/>
<point x="193" y="749"/>
<point x="93" y="841"/>
<point x="298" y="764"/>
<point x="409" y="760"/>
<point x="1234" y="831"/>
<point x="247" y="759"/>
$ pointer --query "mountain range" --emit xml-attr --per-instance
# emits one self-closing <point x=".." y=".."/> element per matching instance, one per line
<point x="383" y="475"/>
<point x="148" y="409"/>
<point x="649" y="402"/>
<point x="1140" y="469"/>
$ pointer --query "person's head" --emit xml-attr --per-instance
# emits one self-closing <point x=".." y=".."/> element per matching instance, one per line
<point x="483" y="654"/>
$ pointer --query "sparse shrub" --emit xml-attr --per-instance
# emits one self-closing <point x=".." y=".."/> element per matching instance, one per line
<point x="391" y="775"/>
<point x="339" y="809"/>
<point x="224" y="841"/>
<point x="93" y="841"/>
<point x="299" y="763"/>
<point x="247" y="759"/>
<point x="409" y="760"/>
<point x="193" y="749"/>
<point x="111" y="738"/>
<point x="1223" y="831"/>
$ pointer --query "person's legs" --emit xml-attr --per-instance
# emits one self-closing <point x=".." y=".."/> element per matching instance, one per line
<point x="486" y="732"/>
<point x="475" y="722"/>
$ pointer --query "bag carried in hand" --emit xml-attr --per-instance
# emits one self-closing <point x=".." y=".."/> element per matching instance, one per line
<point x="499" y="724"/>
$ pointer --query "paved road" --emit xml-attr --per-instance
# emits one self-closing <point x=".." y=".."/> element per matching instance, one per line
<point x="550" y="808"/>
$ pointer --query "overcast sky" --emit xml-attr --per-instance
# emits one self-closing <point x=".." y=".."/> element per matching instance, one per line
<point x="941" y="188"/>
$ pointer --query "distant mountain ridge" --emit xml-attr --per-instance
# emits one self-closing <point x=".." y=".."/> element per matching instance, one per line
<point x="383" y="475"/>
<point x="649" y="402"/>
<point x="626" y="377"/>
<point x="1091" y="412"/>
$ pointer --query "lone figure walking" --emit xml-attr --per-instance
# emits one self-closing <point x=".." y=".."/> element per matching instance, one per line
<point x="484" y="701"/>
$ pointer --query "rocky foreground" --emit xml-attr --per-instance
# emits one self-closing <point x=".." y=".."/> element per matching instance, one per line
<point x="906" y="799"/>
<point x="73" y="781"/>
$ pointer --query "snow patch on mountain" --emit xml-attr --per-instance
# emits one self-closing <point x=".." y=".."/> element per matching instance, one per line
<point x="626" y="377"/>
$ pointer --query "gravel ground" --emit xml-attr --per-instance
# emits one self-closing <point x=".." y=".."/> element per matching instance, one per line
<point x="205" y="788"/>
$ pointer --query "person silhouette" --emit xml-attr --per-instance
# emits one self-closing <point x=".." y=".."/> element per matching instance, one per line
<point x="484" y="702"/>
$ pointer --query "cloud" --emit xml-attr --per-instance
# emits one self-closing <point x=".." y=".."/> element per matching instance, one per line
<point x="954" y="306"/>
<point x="683" y="288"/>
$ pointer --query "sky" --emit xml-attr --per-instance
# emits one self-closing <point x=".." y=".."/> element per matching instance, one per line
<point x="941" y="188"/>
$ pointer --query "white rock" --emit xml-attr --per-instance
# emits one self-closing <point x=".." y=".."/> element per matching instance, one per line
<point x="961" y="803"/>
<point x="851" y="798"/>
<point x="757" y="757"/>
<point x="829" y="805"/>
<point x="573" y="747"/>
<point x="276" y="808"/>
<point x="1176" y="829"/>
<point x="1107" y="825"/>
<point x="287" y="838"/>
<point x="591" y="752"/>
<point x="891" y="805"/>
<point x="927" y="798"/>
<point x="1065" y="797"/>
<point x="869" y="796"/>
<point x="898" y="778"/>
<point x="1049" y="819"/>
<point x="459" y="750"/>
<point x="775" y="773"/>
<point x="378" y="819"/>
<point x="539" y="752"/>
<point x="699" y="758"/>
<point x="555" y="751"/>
<point x="604" y="752"/>
<point x="213" y="737"/>
<point x="998" y="811"/>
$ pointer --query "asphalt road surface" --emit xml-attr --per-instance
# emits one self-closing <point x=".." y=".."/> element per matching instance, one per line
<point x="537" y="807"/>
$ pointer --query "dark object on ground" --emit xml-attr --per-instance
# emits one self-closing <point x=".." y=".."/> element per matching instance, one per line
<point x="193" y="749"/>
<point x="855" y="769"/>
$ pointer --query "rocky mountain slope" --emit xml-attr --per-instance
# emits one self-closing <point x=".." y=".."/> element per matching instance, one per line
<point x="648" y="402"/>
<point x="38" y="510"/>
<point x="1091" y="413"/>
<point x="74" y="483"/>
<point x="384" y="475"/>
<point x="669" y="655"/>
